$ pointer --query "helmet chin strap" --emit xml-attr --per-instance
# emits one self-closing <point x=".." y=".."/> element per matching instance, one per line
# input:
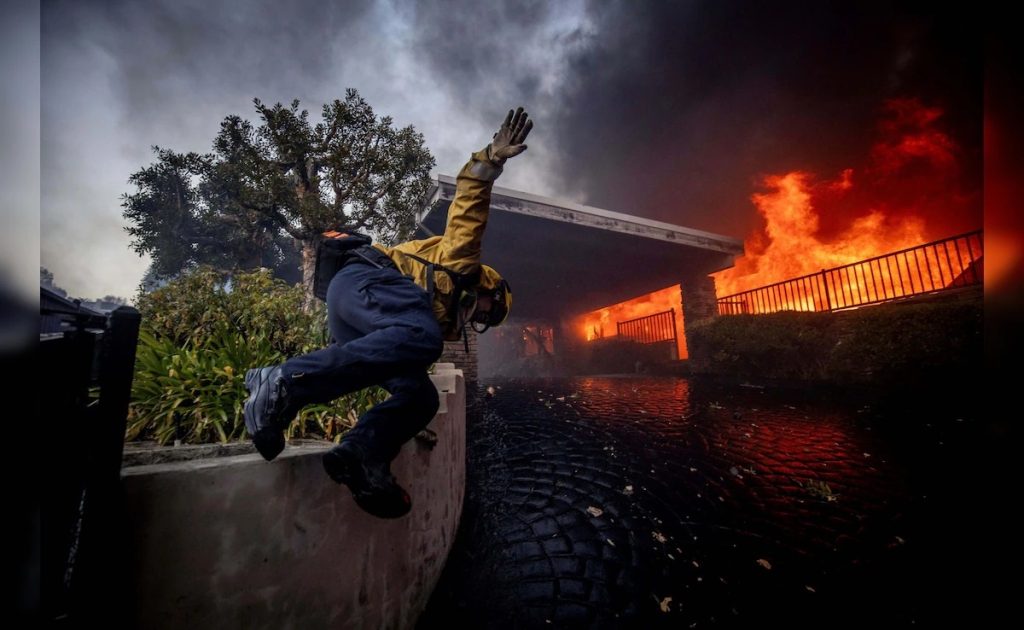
<point x="482" y="327"/>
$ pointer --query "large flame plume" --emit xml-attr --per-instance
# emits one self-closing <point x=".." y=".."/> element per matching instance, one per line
<point x="907" y="194"/>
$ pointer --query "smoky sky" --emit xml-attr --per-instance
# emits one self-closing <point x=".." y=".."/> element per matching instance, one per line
<point x="672" y="110"/>
<point x="677" y="109"/>
<point x="669" y="110"/>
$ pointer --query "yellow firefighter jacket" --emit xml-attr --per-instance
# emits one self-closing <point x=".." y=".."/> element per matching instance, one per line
<point x="459" y="248"/>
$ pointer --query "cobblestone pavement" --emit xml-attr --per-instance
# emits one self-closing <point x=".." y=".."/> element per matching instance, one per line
<point x="642" y="502"/>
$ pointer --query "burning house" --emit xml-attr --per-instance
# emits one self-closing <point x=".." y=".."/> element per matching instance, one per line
<point x="576" y="273"/>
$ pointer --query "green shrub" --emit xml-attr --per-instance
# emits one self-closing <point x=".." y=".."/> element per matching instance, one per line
<point x="913" y="340"/>
<point x="198" y="338"/>
<point x="787" y="345"/>
<point x="201" y="304"/>
<point x="893" y="343"/>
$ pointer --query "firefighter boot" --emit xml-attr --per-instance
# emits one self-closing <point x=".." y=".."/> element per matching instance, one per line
<point x="267" y="412"/>
<point x="369" y="478"/>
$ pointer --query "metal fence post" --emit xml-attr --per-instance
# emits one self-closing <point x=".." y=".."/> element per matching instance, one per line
<point x="116" y="373"/>
<point x="828" y="295"/>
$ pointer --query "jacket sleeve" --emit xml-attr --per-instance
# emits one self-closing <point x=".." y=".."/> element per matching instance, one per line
<point x="459" y="248"/>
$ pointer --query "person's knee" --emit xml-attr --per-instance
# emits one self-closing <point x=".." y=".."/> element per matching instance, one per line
<point x="426" y="398"/>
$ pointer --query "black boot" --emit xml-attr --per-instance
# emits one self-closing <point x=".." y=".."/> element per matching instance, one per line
<point x="369" y="478"/>
<point x="267" y="412"/>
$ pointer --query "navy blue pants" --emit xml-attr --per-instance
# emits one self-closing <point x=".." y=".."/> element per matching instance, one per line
<point x="385" y="333"/>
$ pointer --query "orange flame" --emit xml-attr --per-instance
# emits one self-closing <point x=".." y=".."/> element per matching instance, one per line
<point x="795" y="248"/>
<point x="602" y="322"/>
<point x="881" y="209"/>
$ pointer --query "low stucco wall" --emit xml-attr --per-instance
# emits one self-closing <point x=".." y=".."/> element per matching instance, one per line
<point x="237" y="542"/>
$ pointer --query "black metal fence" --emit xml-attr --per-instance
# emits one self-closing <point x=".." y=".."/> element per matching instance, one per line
<point x="87" y="363"/>
<point x="656" y="328"/>
<point x="950" y="263"/>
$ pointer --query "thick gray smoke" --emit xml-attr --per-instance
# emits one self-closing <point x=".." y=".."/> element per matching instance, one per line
<point x="672" y="109"/>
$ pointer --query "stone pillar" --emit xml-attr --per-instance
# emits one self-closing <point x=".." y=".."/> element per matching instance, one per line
<point x="566" y="339"/>
<point x="699" y="301"/>
<point x="455" y="352"/>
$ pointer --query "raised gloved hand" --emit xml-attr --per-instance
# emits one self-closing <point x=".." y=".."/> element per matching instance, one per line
<point x="508" y="141"/>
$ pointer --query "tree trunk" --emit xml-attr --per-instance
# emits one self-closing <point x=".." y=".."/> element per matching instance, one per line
<point x="308" y="245"/>
<point x="308" y="273"/>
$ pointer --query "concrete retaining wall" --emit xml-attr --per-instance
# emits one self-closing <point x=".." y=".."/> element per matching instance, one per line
<point x="237" y="542"/>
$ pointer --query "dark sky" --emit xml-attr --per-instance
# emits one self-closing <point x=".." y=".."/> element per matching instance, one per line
<point x="669" y="110"/>
<point x="672" y="109"/>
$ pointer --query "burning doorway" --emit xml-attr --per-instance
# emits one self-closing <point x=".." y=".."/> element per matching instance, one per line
<point x="654" y="318"/>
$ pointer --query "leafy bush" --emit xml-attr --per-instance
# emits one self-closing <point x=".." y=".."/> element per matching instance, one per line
<point x="202" y="304"/>
<point x="920" y="341"/>
<point x="198" y="338"/>
<point x="894" y="343"/>
<point x="784" y="345"/>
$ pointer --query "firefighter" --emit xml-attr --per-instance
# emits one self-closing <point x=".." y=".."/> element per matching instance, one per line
<point x="389" y="310"/>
